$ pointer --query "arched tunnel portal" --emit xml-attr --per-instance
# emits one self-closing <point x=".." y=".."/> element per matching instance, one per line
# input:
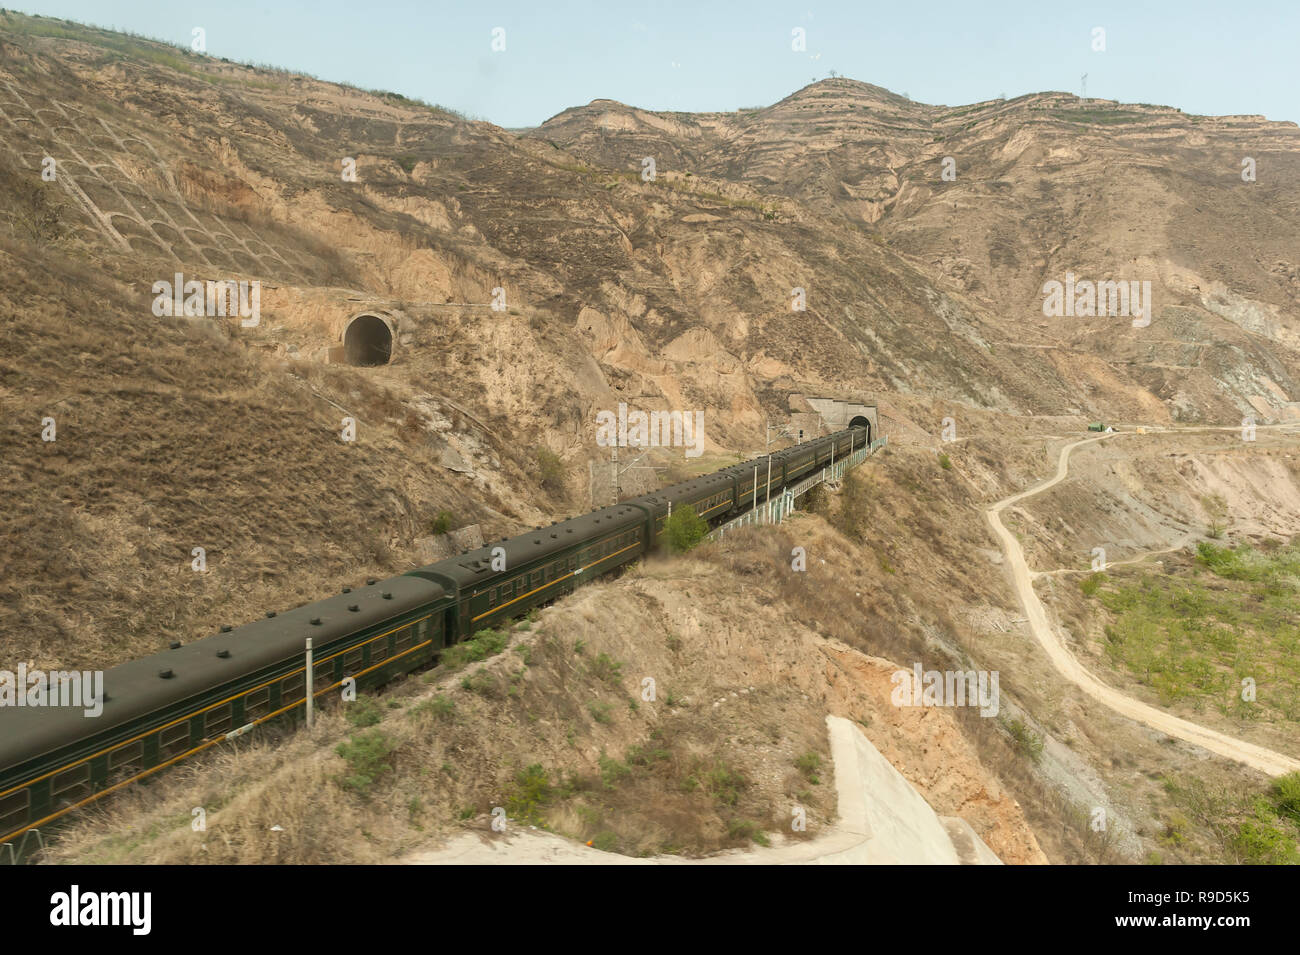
<point x="368" y="341"/>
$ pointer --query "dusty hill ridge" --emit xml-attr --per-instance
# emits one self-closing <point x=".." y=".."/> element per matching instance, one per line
<point x="923" y="295"/>
<point x="914" y="284"/>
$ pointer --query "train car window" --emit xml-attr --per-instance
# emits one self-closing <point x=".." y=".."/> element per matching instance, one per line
<point x="352" y="661"/>
<point x="124" y="762"/>
<point x="406" y="636"/>
<point x="322" y="675"/>
<point x="379" y="648"/>
<point x="174" y="740"/>
<point x="257" y="703"/>
<point x="293" y="688"/>
<point x="72" y="785"/>
<point x="217" y="721"/>
<point x="13" y="810"/>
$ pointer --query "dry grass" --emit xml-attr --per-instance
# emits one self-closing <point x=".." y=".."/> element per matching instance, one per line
<point x="171" y="436"/>
<point x="555" y="729"/>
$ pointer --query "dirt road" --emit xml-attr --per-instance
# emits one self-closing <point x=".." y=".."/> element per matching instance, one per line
<point x="883" y="820"/>
<point x="1257" y="757"/>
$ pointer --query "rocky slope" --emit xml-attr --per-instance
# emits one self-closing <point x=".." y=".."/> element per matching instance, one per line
<point x="923" y="294"/>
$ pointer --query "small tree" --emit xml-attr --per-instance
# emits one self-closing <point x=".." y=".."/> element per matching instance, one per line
<point x="1216" y="509"/>
<point x="685" y="529"/>
<point x="550" y="470"/>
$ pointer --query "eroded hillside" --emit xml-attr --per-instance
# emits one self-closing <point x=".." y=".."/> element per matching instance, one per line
<point x="923" y="296"/>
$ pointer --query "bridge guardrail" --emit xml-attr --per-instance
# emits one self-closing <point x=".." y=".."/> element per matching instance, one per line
<point x="776" y="510"/>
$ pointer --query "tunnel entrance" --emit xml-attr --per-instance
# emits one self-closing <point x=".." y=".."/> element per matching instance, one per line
<point x="368" y="341"/>
<point x="862" y="422"/>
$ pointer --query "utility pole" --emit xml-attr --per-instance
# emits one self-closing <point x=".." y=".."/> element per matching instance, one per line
<point x="782" y="432"/>
<point x="767" y="500"/>
<point x="310" y="684"/>
<point x="619" y="472"/>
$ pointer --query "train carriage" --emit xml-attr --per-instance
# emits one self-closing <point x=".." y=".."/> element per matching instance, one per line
<point x="712" y="496"/>
<point x="165" y="707"/>
<point x="162" y="708"/>
<point x="500" y="581"/>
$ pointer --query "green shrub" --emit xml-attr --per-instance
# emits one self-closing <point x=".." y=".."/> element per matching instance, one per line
<point x="1027" y="741"/>
<point x="481" y="682"/>
<point x="1265" y="840"/>
<point x="550" y="470"/>
<point x="530" y="794"/>
<point x="484" y="644"/>
<point x="1285" y="793"/>
<point x="684" y="529"/>
<point x="744" y="829"/>
<point x="440" y="524"/>
<point x="440" y="707"/>
<point x="606" y="669"/>
<point x="945" y="462"/>
<point x="611" y="771"/>
<point x="368" y="756"/>
<point x="725" y="784"/>
<point x="1091" y="584"/>
<point x="1175" y="831"/>
<point x="645" y="756"/>
<point x="808" y="764"/>
<point x="363" y="712"/>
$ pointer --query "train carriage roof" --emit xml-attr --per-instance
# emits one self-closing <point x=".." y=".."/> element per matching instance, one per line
<point x="136" y="688"/>
<point x="693" y="489"/>
<point x="474" y="567"/>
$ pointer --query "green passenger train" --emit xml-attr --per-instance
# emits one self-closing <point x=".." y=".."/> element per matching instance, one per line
<point x="167" y="707"/>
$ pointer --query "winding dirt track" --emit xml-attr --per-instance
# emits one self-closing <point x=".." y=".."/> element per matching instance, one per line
<point x="1257" y="757"/>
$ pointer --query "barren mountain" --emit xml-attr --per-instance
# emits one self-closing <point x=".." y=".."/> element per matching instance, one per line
<point x="383" y="231"/>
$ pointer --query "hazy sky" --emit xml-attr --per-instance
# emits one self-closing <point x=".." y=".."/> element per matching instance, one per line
<point x="1201" y="57"/>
